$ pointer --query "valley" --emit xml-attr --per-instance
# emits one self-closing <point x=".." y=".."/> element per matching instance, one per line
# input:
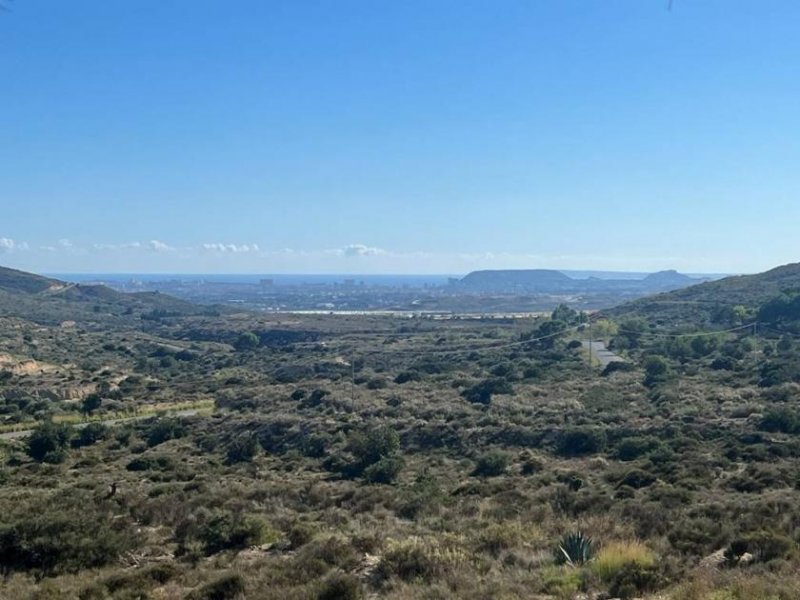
<point x="205" y="453"/>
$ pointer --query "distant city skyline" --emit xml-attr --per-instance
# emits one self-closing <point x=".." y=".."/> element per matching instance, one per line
<point x="415" y="137"/>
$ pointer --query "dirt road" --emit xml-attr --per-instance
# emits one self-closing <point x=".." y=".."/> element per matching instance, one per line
<point x="12" y="435"/>
<point x="600" y="353"/>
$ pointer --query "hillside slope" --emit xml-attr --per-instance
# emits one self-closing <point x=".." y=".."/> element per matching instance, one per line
<point x="14" y="281"/>
<point x="45" y="300"/>
<point x="699" y="303"/>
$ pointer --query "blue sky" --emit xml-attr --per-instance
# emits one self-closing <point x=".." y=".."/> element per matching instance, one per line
<point x="433" y="136"/>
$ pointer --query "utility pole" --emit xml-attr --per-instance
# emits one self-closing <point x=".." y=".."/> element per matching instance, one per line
<point x="591" y="356"/>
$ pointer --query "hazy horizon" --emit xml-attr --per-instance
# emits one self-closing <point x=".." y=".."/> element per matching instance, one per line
<point x="254" y="277"/>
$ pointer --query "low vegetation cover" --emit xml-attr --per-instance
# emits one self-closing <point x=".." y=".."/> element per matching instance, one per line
<point x="385" y="457"/>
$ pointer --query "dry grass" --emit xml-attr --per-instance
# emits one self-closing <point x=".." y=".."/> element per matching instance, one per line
<point x="615" y="556"/>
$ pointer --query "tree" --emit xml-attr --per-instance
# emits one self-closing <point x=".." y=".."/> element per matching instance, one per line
<point x="376" y="455"/>
<point x="550" y="330"/>
<point x="785" y="307"/>
<point x="91" y="403"/>
<point x="656" y="370"/>
<point x="629" y="334"/>
<point x="564" y="313"/>
<point x="49" y="441"/>
<point x="247" y="341"/>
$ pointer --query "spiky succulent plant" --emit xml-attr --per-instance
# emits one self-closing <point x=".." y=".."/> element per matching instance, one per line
<point x="576" y="548"/>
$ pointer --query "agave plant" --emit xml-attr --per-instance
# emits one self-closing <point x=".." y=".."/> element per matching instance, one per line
<point x="576" y="548"/>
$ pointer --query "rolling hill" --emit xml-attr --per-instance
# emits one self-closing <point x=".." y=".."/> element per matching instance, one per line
<point x="45" y="300"/>
<point x="701" y="302"/>
<point x="14" y="281"/>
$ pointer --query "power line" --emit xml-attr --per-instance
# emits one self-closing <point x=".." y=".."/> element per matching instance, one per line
<point x="685" y="335"/>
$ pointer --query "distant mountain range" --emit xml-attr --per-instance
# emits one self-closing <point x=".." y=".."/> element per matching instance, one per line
<point x="548" y="281"/>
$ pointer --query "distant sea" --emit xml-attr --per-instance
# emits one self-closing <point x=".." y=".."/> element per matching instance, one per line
<point x="277" y="279"/>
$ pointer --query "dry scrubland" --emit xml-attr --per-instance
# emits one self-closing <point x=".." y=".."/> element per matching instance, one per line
<point x="372" y="457"/>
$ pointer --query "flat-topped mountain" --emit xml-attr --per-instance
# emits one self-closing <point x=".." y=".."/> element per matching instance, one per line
<point x="669" y="277"/>
<point x="519" y="279"/>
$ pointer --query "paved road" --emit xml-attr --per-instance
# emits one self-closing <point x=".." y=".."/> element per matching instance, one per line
<point x="600" y="353"/>
<point x="12" y="435"/>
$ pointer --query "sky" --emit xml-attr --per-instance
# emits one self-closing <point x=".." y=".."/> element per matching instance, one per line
<point x="376" y="136"/>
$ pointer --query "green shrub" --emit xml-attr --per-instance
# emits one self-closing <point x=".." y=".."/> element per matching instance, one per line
<point x="226" y="531"/>
<point x="656" y="371"/>
<point x="376" y="445"/>
<point x="634" y="579"/>
<point x="227" y="587"/>
<point x="243" y="448"/>
<point x="417" y="559"/>
<point x="139" y="579"/>
<point x="581" y="441"/>
<point x="764" y="546"/>
<point x="319" y="556"/>
<point x="632" y="448"/>
<point x="406" y="376"/>
<point x="561" y="582"/>
<point x="497" y="537"/>
<point x="165" y="429"/>
<point x="385" y="470"/>
<point x="300" y="534"/>
<point x="482" y="392"/>
<point x="783" y="420"/>
<point x="617" y="366"/>
<point x="65" y="533"/>
<point x="637" y="479"/>
<point x="377" y="383"/>
<point x="423" y="496"/>
<point x="491" y="464"/>
<point x="91" y="434"/>
<point x="340" y="586"/>
<point x="151" y="462"/>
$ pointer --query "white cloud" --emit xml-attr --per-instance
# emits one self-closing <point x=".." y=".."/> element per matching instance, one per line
<point x="65" y="243"/>
<point x="9" y="245"/>
<point x="361" y="250"/>
<point x="157" y="246"/>
<point x="231" y="248"/>
<point x="152" y="246"/>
